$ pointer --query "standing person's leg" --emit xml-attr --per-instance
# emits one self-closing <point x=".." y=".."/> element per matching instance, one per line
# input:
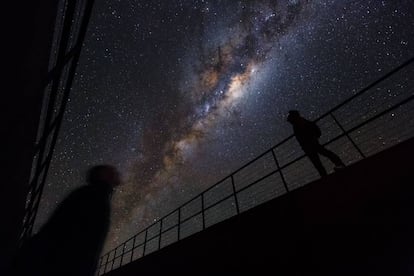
<point x="331" y="156"/>
<point x="314" y="158"/>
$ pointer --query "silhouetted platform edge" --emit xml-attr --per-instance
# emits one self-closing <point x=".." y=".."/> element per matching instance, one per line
<point x="358" y="221"/>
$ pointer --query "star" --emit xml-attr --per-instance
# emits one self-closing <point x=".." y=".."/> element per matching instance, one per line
<point x="178" y="94"/>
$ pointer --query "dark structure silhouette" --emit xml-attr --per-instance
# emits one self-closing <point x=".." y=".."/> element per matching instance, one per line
<point x="307" y="133"/>
<point x="71" y="241"/>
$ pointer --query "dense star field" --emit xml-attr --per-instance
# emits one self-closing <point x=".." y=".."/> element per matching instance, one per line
<point x="177" y="94"/>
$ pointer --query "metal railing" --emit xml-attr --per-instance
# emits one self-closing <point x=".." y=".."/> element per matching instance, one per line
<point x="68" y="39"/>
<point x="377" y="117"/>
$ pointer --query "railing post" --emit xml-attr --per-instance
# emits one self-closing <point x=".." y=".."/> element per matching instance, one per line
<point x="122" y="254"/>
<point x="133" y="248"/>
<point x="235" y="195"/>
<point x="145" y="242"/>
<point x="179" y="224"/>
<point x="113" y="259"/>
<point x="347" y="135"/>
<point x="107" y="261"/>
<point x="280" y="171"/>
<point x="159" y="239"/>
<point x="202" y="211"/>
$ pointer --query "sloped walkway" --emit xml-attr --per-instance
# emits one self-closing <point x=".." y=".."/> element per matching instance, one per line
<point x="358" y="221"/>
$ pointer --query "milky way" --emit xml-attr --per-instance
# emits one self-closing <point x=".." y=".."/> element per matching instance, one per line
<point x="221" y="76"/>
<point x="178" y="94"/>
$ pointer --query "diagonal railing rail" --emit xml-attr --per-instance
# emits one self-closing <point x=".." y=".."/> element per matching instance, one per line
<point x="377" y="117"/>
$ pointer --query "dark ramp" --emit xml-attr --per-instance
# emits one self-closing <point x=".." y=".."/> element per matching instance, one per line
<point x="358" y="221"/>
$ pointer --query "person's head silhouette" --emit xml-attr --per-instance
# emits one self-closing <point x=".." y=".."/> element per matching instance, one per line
<point x="104" y="175"/>
<point x="293" y="116"/>
<point x="76" y="231"/>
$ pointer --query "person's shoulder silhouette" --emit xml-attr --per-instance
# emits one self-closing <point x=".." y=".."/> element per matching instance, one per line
<point x="305" y="131"/>
<point x="72" y="239"/>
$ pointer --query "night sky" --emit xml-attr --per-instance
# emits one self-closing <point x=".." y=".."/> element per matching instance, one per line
<point x="177" y="94"/>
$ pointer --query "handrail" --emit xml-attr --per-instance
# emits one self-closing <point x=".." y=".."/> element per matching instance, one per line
<point x="345" y="133"/>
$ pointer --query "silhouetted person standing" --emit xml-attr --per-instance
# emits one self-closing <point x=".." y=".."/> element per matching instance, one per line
<point x="71" y="241"/>
<point x="307" y="133"/>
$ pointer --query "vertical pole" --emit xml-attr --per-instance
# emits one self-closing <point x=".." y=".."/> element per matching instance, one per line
<point x="235" y="195"/>
<point x="107" y="261"/>
<point x="113" y="259"/>
<point x="122" y="254"/>
<point x="202" y="211"/>
<point x="179" y="224"/>
<point x="159" y="239"/>
<point x="145" y="242"/>
<point x="133" y="248"/>
<point x="347" y="135"/>
<point x="280" y="171"/>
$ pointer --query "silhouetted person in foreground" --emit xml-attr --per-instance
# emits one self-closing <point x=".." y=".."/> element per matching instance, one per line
<point x="307" y="133"/>
<point x="71" y="241"/>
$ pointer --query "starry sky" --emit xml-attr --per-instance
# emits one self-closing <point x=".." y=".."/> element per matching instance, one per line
<point x="177" y="94"/>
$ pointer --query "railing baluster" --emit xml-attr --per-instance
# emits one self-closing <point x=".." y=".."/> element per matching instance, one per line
<point x="235" y="195"/>
<point x="122" y="253"/>
<point x="107" y="261"/>
<point x="159" y="238"/>
<point x="179" y="224"/>
<point x="133" y="247"/>
<point x="113" y="259"/>
<point x="203" y="211"/>
<point x="145" y="242"/>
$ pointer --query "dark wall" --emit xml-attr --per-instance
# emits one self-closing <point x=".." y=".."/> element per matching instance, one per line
<point x="356" y="222"/>
<point x="26" y="40"/>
